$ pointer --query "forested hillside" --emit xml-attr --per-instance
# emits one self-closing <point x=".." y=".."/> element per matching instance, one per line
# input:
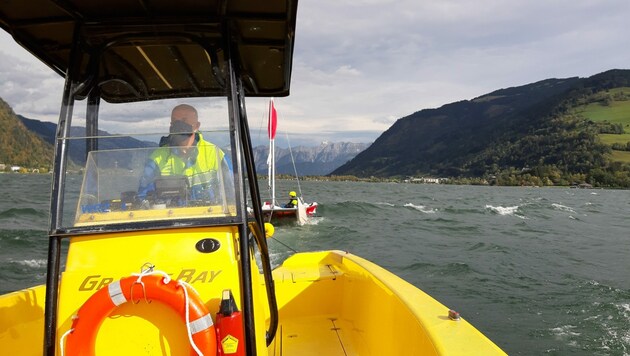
<point x="19" y="146"/>
<point x="553" y="132"/>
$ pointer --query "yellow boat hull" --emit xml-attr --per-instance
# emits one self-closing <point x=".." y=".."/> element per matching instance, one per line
<point x="335" y="303"/>
<point x="22" y="322"/>
<point x="330" y="303"/>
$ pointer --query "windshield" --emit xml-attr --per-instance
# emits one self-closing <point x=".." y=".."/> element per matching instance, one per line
<point x="147" y="184"/>
<point x="163" y="169"/>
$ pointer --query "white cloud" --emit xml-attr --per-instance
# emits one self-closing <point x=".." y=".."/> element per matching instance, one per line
<point x="347" y="71"/>
<point x="31" y="88"/>
<point x="359" y="65"/>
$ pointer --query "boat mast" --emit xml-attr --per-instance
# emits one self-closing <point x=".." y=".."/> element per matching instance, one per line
<point x="271" y="129"/>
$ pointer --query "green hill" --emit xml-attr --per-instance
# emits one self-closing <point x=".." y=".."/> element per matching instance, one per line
<point x="19" y="146"/>
<point x="553" y="132"/>
<point x="610" y="109"/>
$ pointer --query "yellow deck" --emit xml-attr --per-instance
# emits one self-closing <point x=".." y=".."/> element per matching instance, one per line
<point x="315" y="335"/>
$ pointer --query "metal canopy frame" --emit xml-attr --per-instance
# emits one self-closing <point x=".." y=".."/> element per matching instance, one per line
<point x="244" y="167"/>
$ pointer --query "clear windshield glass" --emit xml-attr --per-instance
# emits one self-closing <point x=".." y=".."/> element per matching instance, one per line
<point x="154" y="173"/>
<point x="127" y="185"/>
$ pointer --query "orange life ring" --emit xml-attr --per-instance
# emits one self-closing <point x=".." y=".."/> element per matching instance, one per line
<point x="80" y="341"/>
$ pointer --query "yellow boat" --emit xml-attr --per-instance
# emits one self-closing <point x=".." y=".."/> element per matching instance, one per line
<point x="169" y="273"/>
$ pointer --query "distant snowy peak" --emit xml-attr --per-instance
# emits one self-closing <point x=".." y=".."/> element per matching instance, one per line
<point x="318" y="160"/>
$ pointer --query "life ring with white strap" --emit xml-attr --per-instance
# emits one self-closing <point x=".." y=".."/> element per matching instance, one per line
<point x="149" y="285"/>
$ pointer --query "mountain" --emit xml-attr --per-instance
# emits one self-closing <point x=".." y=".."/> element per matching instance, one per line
<point x="319" y="160"/>
<point x="310" y="161"/>
<point x="541" y="129"/>
<point x="47" y="131"/>
<point x="18" y="145"/>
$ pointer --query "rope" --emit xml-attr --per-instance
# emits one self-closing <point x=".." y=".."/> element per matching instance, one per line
<point x="188" y="331"/>
<point x="293" y="162"/>
<point x="167" y="278"/>
<point x="184" y="285"/>
<point x="283" y="244"/>
<point x="62" y="341"/>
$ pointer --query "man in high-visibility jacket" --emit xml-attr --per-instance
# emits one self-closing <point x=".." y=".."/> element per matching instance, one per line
<point x="185" y="153"/>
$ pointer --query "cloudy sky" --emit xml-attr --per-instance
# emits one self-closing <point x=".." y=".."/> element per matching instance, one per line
<point x="360" y="65"/>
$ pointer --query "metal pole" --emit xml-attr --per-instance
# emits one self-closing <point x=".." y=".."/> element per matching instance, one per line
<point x="91" y="120"/>
<point x="56" y="203"/>
<point x="247" y="295"/>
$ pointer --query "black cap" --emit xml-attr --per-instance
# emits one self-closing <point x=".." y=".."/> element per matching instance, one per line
<point x="179" y="132"/>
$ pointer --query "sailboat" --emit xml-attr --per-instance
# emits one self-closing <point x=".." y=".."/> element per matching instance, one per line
<point x="297" y="209"/>
<point x="173" y="272"/>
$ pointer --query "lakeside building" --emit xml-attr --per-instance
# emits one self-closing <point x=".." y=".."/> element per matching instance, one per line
<point x="9" y="167"/>
<point x="426" y="180"/>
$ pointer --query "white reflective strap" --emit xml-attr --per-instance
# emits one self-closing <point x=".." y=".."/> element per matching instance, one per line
<point x="200" y="324"/>
<point x="116" y="294"/>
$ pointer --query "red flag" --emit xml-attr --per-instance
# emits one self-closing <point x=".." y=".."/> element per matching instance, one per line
<point x="273" y="121"/>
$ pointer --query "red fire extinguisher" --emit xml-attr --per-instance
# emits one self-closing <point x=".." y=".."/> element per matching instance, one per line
<point x="229" y="327"/>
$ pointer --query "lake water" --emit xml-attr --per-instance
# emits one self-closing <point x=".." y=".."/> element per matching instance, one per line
<point x="538" y="270"/>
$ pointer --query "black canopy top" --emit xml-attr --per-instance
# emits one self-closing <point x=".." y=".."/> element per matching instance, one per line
<point x="151" y="49"/>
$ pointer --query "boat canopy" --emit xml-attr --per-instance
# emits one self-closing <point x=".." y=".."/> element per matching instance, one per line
<point x="128" y="40"/>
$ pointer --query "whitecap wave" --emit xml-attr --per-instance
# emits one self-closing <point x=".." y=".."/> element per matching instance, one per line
<point x="32" y="263"/>
<point x="503" y="210"/>
<point x="421" y="208"/>
<point x="565" y="331"/>
<point x="562" y="207"/>
<point x="314" y="220"/>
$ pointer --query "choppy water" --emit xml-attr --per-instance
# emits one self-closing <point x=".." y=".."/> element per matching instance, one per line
<point x="538" y="270"/>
